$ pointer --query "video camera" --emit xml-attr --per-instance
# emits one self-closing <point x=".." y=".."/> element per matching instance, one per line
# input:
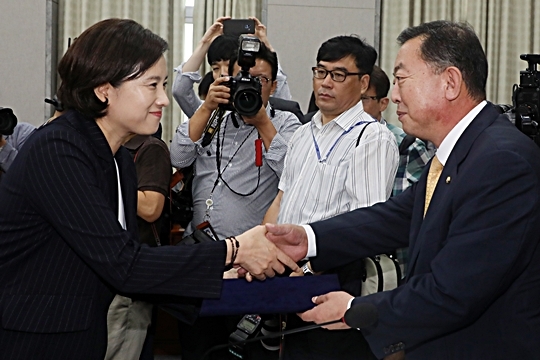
<point x="526" y="98"/>
<point x="245" y="89"/>
<point x="8" y="121"/>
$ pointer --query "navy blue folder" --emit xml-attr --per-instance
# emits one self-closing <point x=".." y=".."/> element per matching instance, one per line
<point x="276" y="295"/>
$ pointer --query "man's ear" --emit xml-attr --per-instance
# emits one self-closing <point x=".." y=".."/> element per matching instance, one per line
<point x="102" y="92"/>
<point x="454" y="82"/>
<point x="364" y="80"/>
<point x="274" y="87"/>
<point x="383" y="103"/>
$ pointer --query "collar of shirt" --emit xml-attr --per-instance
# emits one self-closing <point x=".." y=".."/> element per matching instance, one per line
<point x="448" y="143"/>
<point x="345" y="120"/>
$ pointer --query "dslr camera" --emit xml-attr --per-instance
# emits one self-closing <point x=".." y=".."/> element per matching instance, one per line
<point x="245" y="89"/>
<point x="8" y="121"/>
<point x="526" y="98"/>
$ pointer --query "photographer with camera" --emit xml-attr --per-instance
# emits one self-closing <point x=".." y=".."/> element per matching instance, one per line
<point x="12" y="137"/>
<point x="238" y="170"/>
<point x="219" y="48"/>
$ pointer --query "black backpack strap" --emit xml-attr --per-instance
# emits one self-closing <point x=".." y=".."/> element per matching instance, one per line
<point x="362" y="132"/>
<point x="405" y="143"/>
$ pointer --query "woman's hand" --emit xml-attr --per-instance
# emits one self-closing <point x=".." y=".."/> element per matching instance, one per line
<point x="260" y="257"/>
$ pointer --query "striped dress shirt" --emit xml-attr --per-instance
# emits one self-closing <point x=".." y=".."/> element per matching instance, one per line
<point x="351" y="176"/>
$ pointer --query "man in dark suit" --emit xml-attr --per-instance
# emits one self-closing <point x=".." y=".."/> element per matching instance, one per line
<point x="473" y="285"/>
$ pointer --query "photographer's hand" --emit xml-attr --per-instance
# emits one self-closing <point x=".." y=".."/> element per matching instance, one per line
<point x="260" y="32"/>
<point x="264" y="126"/>
<point x="217" y="94"/>
<point x="215" y="30"/>
<point x="196" y="59"/>
<point x="3" y="141"/>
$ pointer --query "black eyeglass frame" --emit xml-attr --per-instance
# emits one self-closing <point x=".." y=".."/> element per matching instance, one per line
<point x="266" y="80"/>
<point x="332" y="73"/>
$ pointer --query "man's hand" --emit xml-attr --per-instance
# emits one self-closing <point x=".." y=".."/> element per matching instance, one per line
<point x="260" y="257"/>
<point x="218" y="93"/>
<point x="291" y="239"/>
<point x="260" y="119"/>
<point x="260" y="32"/>
<point x="264" y="126"/>
<point x="215" y="30"/>
<point x="3" y="141"/>
<point x="331" y="306"/>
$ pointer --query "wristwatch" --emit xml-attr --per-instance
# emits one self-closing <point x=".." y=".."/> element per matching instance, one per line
<point x="306" y="270"/>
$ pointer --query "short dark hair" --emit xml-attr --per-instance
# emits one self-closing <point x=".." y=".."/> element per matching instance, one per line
<point x="340" y="47"/>
<point x="379" y="81"/>
<point x="263" y="54"/>
<point x="223" y="48"/>
<point x="111" y="51"/>
<point x="447" y="43"/>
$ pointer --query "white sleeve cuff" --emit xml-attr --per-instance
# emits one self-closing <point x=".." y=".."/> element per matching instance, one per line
<point x="312" y="244"/>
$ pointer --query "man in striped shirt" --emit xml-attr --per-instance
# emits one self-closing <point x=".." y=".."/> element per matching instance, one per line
<point x="339" y="161"/>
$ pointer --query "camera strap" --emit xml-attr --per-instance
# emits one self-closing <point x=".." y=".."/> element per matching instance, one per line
<point x="219" y="153"/>
<point x="212" y="127"/>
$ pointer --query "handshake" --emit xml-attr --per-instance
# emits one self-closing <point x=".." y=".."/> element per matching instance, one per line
<point x="268" y="249"/>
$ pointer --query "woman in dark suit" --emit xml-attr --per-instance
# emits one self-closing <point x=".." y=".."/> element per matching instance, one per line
<point x="68" y="233"/>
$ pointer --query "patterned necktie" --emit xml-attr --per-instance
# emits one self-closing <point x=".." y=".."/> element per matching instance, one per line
<point x="435" y="171"/>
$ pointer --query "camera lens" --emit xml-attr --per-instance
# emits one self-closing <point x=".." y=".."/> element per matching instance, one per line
<point x="8" y="121"/>
<point x="247" y="102"/>
<point x="271" y="326"/>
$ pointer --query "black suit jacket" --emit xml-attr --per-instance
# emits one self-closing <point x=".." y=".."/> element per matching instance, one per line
<point x="63" y="253"/>
<point x="473" y="287"/>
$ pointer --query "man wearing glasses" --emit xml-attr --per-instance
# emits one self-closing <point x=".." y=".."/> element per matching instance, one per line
<point x="341" y="160"/>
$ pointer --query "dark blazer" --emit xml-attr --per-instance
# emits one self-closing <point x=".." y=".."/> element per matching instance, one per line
<point x="473" y="287"/>
<point x="63" y="253"/>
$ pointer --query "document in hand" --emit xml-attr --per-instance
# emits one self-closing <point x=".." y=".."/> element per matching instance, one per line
<point x="276" y="295"/>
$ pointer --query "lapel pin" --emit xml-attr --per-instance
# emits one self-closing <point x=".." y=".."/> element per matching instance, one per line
<point x="448" y="179"/>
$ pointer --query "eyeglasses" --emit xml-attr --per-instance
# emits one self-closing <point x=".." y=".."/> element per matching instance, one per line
<point x="336" y="75"/>
<point x="367" y="97"/>
<point x="263" y="79"/>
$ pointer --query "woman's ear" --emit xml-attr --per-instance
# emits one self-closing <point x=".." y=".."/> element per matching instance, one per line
<point x="102" y="92"/>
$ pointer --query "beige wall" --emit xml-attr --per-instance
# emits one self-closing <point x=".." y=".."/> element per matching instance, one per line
<point x="297" y="28"/>
<point x="23" y="57"/>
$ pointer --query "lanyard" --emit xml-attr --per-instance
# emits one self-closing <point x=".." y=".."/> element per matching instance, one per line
<point x="321" y="160"/>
